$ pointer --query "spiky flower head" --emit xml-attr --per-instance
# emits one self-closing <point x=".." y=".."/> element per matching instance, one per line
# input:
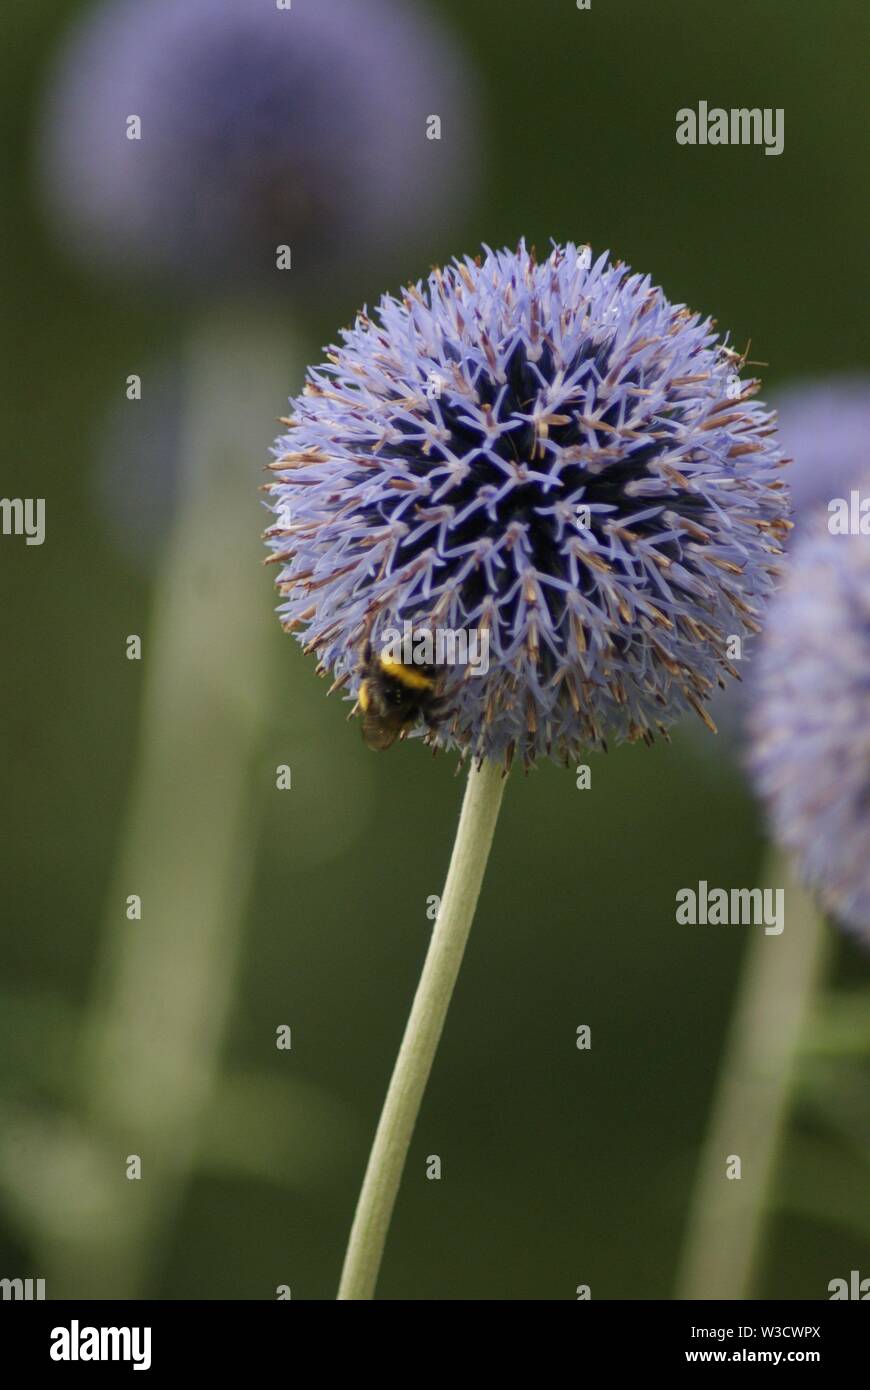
<point x="260" y="127"/>
<point x="810" y="721"/>
<point x="547" y="452"/>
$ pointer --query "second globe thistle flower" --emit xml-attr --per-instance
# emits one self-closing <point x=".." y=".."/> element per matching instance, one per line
<point x="550" y="452"/>
<point x="811" y="721"/>
<point x="824" y="424"/>
<point x="259" y="127"/>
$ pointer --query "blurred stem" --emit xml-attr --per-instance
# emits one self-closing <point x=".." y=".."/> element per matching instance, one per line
<point x="380" y="1187"/>
<point x="165" y="983"/>
<point x="751" y="1105"/>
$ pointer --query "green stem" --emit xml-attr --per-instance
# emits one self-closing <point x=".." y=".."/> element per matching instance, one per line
<point x="380" y="1187"/>
<point x="750" y="1110"/>
<point x="165" y="982"/>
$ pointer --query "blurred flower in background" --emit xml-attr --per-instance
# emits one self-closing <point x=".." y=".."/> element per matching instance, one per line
<point x="800" y="726"/>
<point x="824" y="428"/>
<point x="195" y="137"/>
<point x="259" y="128"/>
<point x="810" y="720"/>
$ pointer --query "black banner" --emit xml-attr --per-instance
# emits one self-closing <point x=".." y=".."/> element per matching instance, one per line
<point x="68" y="1338"/>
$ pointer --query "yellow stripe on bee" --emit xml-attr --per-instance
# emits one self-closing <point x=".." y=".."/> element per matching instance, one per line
<point x="406" y="675"/>
<point x="363" y="696"/>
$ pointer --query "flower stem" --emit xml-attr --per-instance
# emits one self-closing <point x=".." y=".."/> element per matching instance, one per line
<point x="151" y="1053"/>
<point x="380" y="1187"/>
<point x="750" y="1109"/>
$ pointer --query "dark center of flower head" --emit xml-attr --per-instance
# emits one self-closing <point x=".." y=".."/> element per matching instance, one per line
<point x="551" y="452"/>
<point x="600" y="482"/>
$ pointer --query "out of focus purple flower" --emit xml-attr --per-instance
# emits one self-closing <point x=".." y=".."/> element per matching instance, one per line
<point x="260" y="127"/>
<point x="550" y="453"/>
<point x="824" y="426"/>
<point x="810" y="720"/>
<point x="824" y="429"/>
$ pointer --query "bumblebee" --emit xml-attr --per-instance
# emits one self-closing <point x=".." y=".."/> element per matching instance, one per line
<point x="393" y="696"/>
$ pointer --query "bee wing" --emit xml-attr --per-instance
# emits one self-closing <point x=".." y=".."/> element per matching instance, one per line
<point x="378" y="734"/>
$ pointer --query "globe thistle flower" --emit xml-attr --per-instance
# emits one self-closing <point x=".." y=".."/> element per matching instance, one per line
<point x="260" y="128"/>
<point x="550" y="453"/>
<point x="810" y="722"/>
<point x="824" y="425"/>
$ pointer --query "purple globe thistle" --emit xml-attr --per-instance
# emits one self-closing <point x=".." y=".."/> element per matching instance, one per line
<point x="550" y="453"/>
<point x="810" y="722"/>
<point x="825" y="427"/>
<point x="260" y="127"/>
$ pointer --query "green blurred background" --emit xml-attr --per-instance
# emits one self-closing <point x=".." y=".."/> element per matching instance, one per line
<point x="560" y="1167"/>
